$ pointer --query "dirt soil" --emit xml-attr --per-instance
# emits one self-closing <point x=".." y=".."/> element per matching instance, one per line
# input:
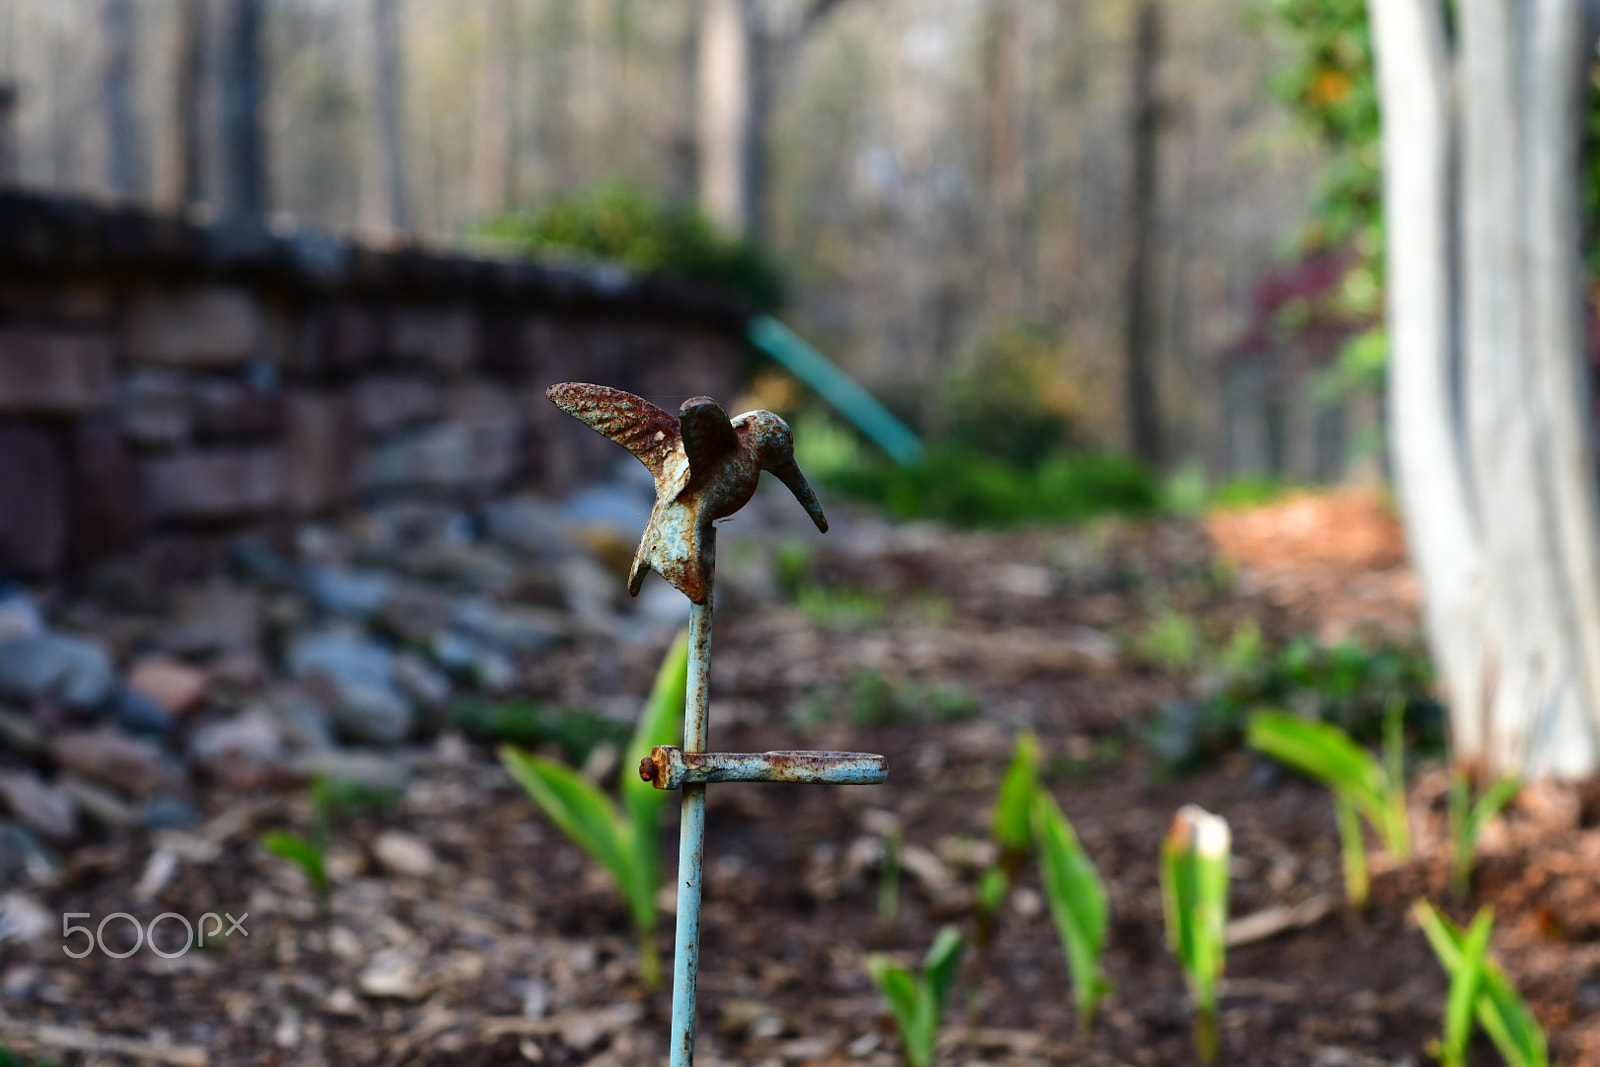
<point x="464" y="929"/>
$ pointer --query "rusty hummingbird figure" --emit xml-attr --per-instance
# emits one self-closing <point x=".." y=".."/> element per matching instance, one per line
<point x="705" y="467"/>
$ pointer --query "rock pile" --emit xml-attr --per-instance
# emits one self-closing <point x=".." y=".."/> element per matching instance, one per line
<point x="119" y="702"/>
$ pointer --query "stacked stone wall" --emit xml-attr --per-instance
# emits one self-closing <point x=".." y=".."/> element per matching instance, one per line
<point x="163" y="382"/>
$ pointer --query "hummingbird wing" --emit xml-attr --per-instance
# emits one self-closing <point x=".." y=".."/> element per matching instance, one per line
<point x="650" y="433"/>
<point x="708" y="436"/>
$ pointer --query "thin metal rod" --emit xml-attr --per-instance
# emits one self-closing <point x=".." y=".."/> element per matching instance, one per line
<point x="669" y="767"/>
<point x="692" y="828"/>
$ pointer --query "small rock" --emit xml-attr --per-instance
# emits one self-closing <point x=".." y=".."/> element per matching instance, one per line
<point x="169" y="812"/>
<point x="19" y="617"/>
<point x="421" y="682"/>
<point x="133" y="766"/>
<point x="346" y="591"/>
<point x="101" y="805"/>
<point x="358" y="677"/>
<point x="42" y="808"/>
<point x="511" y="629"/>
<point x="176" y="687"/>
<point x="214" y="618"/>
<point x="24" y="919"/>
<point x="241" y="669"/>
<point x="464" y="565"/>
<point x="392" y="974"/>
<point x="242" y="753"/>
<point x="527" y="524"/>
<point x="74" y="671"/>
<point x="138" y="714"/>
<point x="370" y="770"/>
<point x="301" y="721"/>
<point x="403" y="854"/>
<point x="416" y="612"/>
<point x="22" y="858"/>
<point x="20" y="734"/>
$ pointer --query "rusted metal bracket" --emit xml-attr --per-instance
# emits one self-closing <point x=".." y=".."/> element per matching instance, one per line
<point x="705" y="467"/>
<point x="669" y="767"/>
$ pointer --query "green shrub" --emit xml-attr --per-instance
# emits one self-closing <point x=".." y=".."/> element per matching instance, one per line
<point x="619" y="221"/>
<point x="968" y="489"/>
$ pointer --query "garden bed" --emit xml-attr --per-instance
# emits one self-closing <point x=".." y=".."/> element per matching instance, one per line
<point x="462" y="928"/>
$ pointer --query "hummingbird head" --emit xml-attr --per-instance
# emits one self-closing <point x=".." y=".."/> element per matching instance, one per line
<point x="773" y="445"/>
<point x="770" y="438"/>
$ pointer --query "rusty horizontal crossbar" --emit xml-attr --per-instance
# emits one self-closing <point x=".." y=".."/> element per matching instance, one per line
<point x="669" y="767"/>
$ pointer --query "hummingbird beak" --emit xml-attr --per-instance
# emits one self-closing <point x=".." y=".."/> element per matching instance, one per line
<point x="789" y="474"/>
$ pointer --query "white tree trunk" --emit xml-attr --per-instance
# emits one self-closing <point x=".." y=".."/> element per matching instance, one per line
<point x="1488" y="400"/>
<point x="727" y="85"/>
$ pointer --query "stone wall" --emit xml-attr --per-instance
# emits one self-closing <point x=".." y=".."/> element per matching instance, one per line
<point x="164" y="383"/>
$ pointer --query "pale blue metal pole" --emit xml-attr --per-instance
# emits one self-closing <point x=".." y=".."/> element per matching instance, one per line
<point x="837" y="388"/>
<point x="692" y="827"/>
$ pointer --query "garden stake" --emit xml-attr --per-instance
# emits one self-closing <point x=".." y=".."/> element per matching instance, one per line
<point x="705" y="467"/>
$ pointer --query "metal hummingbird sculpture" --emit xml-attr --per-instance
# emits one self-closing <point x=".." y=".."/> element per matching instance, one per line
<point x="706" y="467"/>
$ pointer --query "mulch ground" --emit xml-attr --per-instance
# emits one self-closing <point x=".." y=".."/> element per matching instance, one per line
<point x="463" y="929"/>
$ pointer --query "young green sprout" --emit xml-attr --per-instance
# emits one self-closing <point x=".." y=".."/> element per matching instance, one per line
<point x="623" y="842"/>
<point x="1012" y="831"/>
<point x="1077" y="903"/>
<point x="1478" y="987"/>
<point x="1362" y="785"/>
<point x="1468" y="817"/>
<point x="1194" y="896"/>
<point x="917" y="1000"/>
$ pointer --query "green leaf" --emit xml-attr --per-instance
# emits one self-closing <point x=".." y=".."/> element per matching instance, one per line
<point x="1500" y="1009"/>
<point x="660" y="723"/>
<point x="1077" y="899"/>
<point x="1327" y="754"/>
<point x="907" y="1003"/>
<point x="1464" y="986"/>
<point x="939" y="968"/>
<point x="1013" y="809"/>
<point x="1353" y="850"/>
<point x="304" y="854"/>
<point x="587" y="816"/>
<point x="993" y="885"/>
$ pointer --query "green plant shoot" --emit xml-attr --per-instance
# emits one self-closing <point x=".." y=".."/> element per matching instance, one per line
<point x="916" y="1000"/>
<point x="1194" y="897"/>
<point x="1479" y="987"/>
<point x="1077" y="899"/>
<point x="309" y="855"/>
<point x="623" y="842"/>
<point x="1468" y="817"/>
<point x="1012" y="831"/>
<point x="1360" y="782"/>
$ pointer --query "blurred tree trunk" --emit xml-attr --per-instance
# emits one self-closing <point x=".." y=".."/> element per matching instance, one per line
<point x="1140" y="378"/>
<point x="495" y="168"/>
<point x="116" y="90"/>
<point x="744" y="62"/>
<point x="727" y="114"/>
<point x="178" y="172"/>
<point x="239" y="174"/>
<point x="383" y="191"/>
<point x="1007" y="160"/>
<point x="1488" y="389"/>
